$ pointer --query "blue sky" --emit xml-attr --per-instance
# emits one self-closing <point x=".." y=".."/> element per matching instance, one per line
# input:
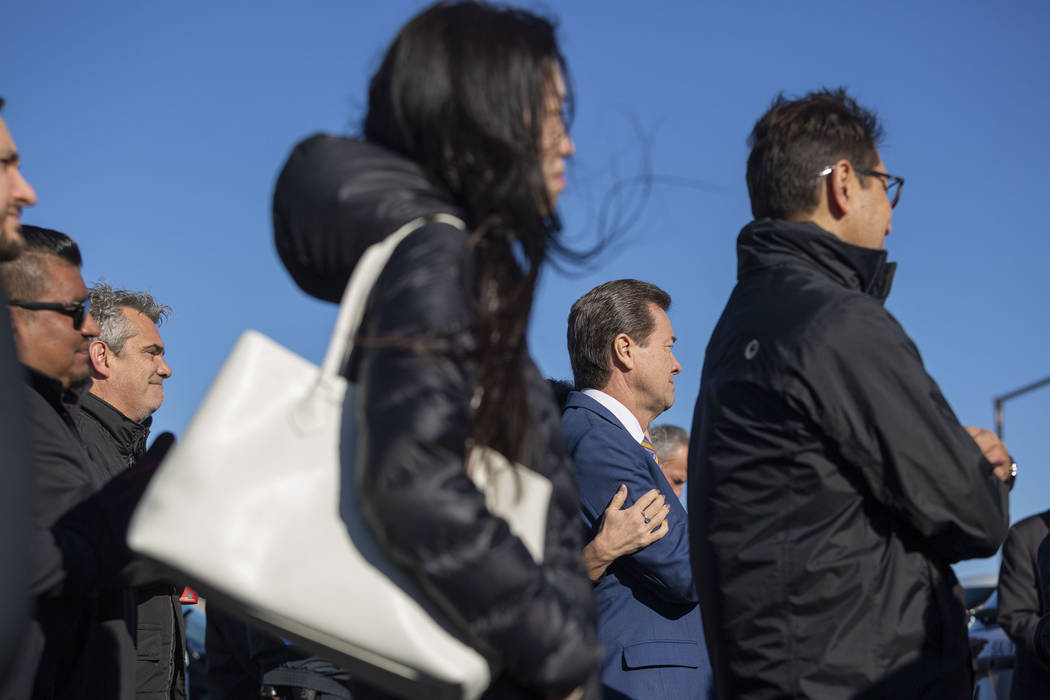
<point x="153" y="133"/>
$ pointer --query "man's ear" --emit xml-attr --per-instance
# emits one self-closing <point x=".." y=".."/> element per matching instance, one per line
<point x="98" y="351"/>
<point x="841" y="184"/>
<point x="623" y="351"/>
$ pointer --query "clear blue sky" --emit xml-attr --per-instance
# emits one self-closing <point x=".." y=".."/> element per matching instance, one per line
<point x="153" y="133"/>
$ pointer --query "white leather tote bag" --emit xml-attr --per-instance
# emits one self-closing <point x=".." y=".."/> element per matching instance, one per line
<point x="264" y="478"/>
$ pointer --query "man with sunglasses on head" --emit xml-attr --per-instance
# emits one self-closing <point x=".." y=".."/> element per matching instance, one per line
<point x="78" y="550"/>
<point x="831" y="485"/>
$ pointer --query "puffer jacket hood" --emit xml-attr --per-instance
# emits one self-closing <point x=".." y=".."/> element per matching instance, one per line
<point x="332" y="183"/>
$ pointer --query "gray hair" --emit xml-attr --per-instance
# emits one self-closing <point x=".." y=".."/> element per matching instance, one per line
<point x="667" y="437"/>
<point x="106" y="305"/>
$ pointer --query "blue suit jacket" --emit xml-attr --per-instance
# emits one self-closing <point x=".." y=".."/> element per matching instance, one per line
<point x="648" y="616"/>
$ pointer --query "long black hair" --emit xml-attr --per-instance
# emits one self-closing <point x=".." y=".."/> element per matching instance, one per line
<point x="463" y="91"/>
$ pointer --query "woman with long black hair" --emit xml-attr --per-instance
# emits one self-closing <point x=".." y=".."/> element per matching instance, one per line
<point x="466" y="116"/>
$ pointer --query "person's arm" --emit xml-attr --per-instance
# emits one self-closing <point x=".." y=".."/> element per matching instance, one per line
<point x="85" y="550"/>
<point x="625" y="530"/>
<point x="867" y="389"/>
<point x="606" y="457"/>
<point x="414" y="417"/>
<point x="1042" y="629"/>
<point x="1019" y="604"/>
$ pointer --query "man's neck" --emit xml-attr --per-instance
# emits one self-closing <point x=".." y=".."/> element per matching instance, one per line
<point x="622" y="392"/>
<point x="825" y="219"/>
<point x="623" y="416"/>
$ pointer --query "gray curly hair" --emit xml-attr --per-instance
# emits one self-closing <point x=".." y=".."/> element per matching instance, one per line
<point x="667" y="437"/>
<point x="106" y="304"/>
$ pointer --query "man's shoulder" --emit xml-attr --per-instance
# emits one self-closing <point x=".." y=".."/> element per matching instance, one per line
<point x="595" y="439"/>
<point x="105" y="432"/>
<point x="583" y="415"/>
<point x="61" y="457"/>
<point x="97" y="440"/>
<point x="92" y="422"/>
<point x="799" y="329"/>
<point x="46" y="416"/>
<point x="1037" y="525"/>
<point x="87" y="422"/>
<point x="797" y="306"/>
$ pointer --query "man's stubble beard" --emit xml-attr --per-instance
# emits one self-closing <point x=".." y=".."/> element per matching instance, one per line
<point x="11" y="246"/>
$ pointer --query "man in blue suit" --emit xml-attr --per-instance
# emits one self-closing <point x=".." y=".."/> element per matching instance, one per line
<point x="620" y="344"/>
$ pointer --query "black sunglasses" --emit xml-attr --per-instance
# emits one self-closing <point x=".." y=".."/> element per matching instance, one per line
<point x="77" y="310"/>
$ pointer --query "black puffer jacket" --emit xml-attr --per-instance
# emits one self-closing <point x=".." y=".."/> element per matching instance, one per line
<point x="333" y="199"/>
<point x="830" y="485"/>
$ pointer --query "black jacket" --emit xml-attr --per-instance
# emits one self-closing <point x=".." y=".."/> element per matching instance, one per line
<point x="113" y="440"/>
<point x="157" y="649"/>
<point x="333" y="199"/>
<point x="16" y="498"/>
<point x="830" y="485"/>
<point x="77" y="559"/>
<point x="1021" y="604"/>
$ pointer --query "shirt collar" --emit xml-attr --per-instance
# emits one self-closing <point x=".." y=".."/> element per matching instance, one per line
<point x="65" y="402"/>
<point x="630" y="423"/>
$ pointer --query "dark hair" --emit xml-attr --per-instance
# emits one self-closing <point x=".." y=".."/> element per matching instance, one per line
<point x="560" y="388"/>
<point x="794" y="139"/>
<point x="667" y="437"/>
<point x="2" y="101"/>
<point x="462" y="91"/>
<point x="24" y="277"/>
<point x="621" y="306"/>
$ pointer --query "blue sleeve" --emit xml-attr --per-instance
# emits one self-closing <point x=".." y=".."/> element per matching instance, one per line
<point x="607" y="456"/>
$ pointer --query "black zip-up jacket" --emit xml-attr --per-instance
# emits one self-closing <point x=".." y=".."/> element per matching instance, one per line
<point x="333" y="199"/>
<point x="115" y="442"/>
<point x="1022" y="606"/>
<point x="70" y="661"/>
<point x="830" y="485"/>
<point x="16" y="500"/>
<point x="78" y="558"/>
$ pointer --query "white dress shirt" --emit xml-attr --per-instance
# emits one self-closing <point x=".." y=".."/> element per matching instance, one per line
<point x="630" y="423"/>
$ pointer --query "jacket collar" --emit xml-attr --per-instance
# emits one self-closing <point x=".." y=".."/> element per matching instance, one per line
<point x="62" y="400"/>
<point x="129" y="436"/>
<point x="771" y="242"/>
<point x="65" y="401"/>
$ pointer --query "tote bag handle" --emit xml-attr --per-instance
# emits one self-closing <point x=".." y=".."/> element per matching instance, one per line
<point x="359" y="288"/>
